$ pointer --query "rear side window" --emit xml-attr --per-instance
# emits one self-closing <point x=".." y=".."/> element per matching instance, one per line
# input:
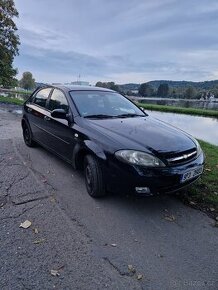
<point x="41" y="97"/>
<point x="58" y="101"/>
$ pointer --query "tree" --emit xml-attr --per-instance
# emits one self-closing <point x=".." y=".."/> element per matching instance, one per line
<point x="190" y="93"/>
<point x="163" y="90"/>
<point x="145" y="90"/>
<point x="108" y="85"/>
<point x="9" y="42"/>
<point x="27" y="82"/>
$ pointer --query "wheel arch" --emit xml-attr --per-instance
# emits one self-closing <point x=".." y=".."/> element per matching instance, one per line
<point x="80" y="151"/>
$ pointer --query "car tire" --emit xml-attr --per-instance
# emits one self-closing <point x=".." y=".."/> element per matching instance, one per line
<point x="28" y="136"/>
<point x="93" y="177"/>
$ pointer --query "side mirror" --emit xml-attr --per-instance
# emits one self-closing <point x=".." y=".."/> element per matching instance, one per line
<point x="60" y="114"/>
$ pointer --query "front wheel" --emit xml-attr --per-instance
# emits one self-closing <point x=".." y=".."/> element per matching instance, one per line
<point x="28" y="136"/>
<point x="93" y="177"/>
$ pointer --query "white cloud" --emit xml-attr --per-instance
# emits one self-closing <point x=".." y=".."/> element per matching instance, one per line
<point x="123" y="41"/>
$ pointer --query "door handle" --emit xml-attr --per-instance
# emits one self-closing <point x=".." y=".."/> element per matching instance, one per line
<point x="46" y="118"/>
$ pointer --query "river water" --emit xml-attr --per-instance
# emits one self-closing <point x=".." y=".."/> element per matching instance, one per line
<point x="203" y="128"/>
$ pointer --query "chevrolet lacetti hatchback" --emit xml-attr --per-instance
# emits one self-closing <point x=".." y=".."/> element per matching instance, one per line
<point x="119" y="147"/>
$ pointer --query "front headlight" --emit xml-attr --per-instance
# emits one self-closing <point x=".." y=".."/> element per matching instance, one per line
<point x="139" y="158"/>
<point x="199" y="150"/>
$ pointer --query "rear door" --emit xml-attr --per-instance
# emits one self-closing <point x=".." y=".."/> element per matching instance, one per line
<point x="37" y="112"/>
<point x="60" y="132"/>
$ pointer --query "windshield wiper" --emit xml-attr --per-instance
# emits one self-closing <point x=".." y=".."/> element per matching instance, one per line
<point x="99" y="116"/>
<point x="129" y="115"/>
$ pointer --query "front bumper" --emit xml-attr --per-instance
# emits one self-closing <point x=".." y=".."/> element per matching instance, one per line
<point x="121" y="177"/>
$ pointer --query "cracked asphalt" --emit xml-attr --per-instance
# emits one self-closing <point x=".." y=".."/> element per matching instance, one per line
<point x="92" y="244"/>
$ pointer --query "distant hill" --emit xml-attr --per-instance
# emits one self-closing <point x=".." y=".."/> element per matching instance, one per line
<point x="207" y="85"/>
<point x="129" y="87"/>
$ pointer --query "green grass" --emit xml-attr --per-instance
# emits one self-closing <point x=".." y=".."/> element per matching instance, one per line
<point x="22" y="92"/>
<point x="179" y="110"/>
<point x="8" y="100"/>
<point x="204" y="193"/>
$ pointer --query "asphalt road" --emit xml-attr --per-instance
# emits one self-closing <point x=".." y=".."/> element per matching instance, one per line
<point x="92" y="242"/>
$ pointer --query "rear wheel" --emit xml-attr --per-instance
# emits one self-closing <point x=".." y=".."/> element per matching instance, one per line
<point x="93" y="177"/>
<point x="28" y="136"/>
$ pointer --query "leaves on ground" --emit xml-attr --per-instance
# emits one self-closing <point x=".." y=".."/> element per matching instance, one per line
<point x="35" y="231"/>
<point x="170" y="218"/>
<point x="25" y="225"/>
<point x="52" y="199"/>
<point x="40" y="241"/>
<point x="139" y="276"/>
<point x="55" y="273"/>
<point x="131" y="269"/>
<point x="113" y="245"/>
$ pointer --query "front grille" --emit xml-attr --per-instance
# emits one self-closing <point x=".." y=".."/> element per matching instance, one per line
<point x="182" y="157"/>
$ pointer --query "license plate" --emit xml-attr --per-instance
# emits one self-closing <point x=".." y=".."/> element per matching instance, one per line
<point x="191" y="174"/>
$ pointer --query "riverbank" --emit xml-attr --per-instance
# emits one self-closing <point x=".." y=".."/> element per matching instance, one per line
<point x="8" y="100"/>
<point x="178" y="110"/>
<point x="203" y="194"/>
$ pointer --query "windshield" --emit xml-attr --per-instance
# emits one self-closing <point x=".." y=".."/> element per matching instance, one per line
<point x="99" y="104"/>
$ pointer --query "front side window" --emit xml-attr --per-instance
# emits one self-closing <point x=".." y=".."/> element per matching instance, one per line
<point x="41" y="97"/>
<point x="58" y="101"/>
<point x="108" y="104"/>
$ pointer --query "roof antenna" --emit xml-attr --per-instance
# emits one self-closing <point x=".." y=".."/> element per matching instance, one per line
<point x="78" y="78"/>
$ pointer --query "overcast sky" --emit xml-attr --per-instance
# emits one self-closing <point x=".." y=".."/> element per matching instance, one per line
<point x="118" y="40"/>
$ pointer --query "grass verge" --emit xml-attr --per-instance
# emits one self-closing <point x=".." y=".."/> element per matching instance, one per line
<point x="179" y="110"/>
<point x="8" y="100"/>
<point x="204" y="193"/>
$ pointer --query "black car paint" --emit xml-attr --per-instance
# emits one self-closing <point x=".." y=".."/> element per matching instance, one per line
<point x="73" y="138"/>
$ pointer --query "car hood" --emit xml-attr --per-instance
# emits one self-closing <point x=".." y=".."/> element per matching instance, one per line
<point x="140" y="133"/>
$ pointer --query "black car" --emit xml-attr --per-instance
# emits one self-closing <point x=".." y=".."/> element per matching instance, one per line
<point x="119" y="146"/>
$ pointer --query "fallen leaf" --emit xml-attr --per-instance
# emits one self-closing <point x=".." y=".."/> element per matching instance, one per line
<point x="52" y="199"/>
<point x="36" y="231"/>
<point x="208" y="169"/>
<point x="44" y="180"/>
<point x="39" y="241"/>
<point x="216" y="193"/>
<point x="55" y="273"/>
<point x="131" y="268"/>
<point x="113" y="245"/>
<point x="216" y="218"/>
<point x="160" y="256"/>
<point x="25" y="225"/>
<point x="192" y="203"/>
<point x="139" y="276"/>
<point x="212" y="209"/>
<point x="170" y="218"/>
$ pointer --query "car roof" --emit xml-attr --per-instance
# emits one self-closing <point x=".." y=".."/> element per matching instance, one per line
<point x="68" y="88"/>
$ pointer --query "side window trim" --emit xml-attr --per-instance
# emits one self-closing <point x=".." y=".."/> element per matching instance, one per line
<point x="48" y="99"/>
